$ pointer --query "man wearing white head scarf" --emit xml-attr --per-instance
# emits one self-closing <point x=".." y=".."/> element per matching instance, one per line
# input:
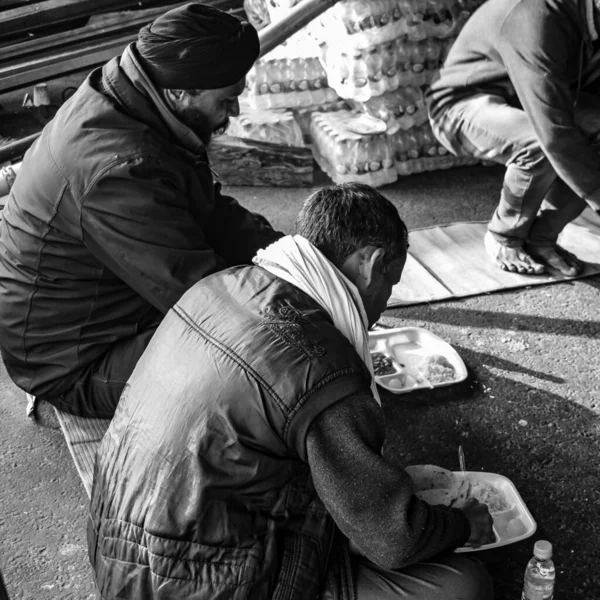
<point x="245" y="453"/>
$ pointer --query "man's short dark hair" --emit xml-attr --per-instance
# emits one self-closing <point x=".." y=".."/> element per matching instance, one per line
<point x="340" y="219"/>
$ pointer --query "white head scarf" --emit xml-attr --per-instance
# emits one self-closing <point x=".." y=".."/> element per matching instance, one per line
<point x="297" y="261"/>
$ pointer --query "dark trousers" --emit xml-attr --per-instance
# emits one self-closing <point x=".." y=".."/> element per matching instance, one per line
<point x="98" y="389"/>
<point x="444" y="578"/>
<point x="3" y="592"/>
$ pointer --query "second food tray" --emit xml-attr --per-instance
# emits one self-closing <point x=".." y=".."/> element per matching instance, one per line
<point x="411" y="358"/>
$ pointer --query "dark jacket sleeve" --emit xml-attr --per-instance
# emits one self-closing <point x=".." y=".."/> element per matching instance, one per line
<point x="370" y="499"/>
<point x="542" y="54"/>
<point x="236" y="233"/>
<point x="138" y="222"/>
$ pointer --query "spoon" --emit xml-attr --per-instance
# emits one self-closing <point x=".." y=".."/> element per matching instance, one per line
<point x="461" y="460"/>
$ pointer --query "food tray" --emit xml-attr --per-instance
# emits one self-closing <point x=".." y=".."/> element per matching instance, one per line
<point x="512" y="520"/>
<point x="406" y="350"/>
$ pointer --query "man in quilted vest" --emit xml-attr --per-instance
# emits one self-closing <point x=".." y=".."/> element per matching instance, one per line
<point x="115" y="214"/>
<point x="244" y="459"/>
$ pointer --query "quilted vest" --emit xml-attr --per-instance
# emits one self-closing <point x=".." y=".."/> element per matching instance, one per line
<point x="202" y="487"/>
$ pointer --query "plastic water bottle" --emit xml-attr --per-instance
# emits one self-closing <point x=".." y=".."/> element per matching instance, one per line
<point x="539" y="574"/>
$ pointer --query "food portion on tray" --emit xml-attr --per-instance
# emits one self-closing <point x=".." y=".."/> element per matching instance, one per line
<point x="383" y="364"/>
<point x="410" y="358"/>
<point x="512" y="520"/>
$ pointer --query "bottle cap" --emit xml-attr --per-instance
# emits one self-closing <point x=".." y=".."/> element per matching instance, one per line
<point x="542" y="550"/>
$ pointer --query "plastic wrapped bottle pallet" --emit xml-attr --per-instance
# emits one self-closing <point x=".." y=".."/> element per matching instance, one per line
<point x="289" y="76"/>
<point x="280" y="8"/>
<point x="363" y="23"/>
<point x="363" y="74"/>
<point x="348" y="147"/>
<point x="360" y="23"/>
<point x="376" y="54"/>
<point x="417" y="150"/>
<point x="275" y="126"/>
<point x="257" y="13"/>
<point x="303" y="115"/>
<point x="401" y="109"/>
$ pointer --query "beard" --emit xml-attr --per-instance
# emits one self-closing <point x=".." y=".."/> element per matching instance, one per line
<point x="200" y="124"/>
<point x="221" y="129"/>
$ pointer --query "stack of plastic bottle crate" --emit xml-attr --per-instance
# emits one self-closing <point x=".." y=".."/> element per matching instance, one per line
<point x="368" y="122"/>
<point x="283" y="89"/>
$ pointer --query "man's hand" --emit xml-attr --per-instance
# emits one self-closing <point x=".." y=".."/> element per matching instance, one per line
<point x="261" y="221"/>
<point x="481" y="523"/>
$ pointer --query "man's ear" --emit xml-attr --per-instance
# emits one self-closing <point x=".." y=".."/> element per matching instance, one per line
<point x="370" y="263"/>
<point x="174" y="97"/>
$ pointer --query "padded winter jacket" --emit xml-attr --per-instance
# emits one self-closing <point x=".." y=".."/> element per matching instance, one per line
<point x="202" y="487"/>
<point x="537" y="54"/>
<point x="113" y="216"/>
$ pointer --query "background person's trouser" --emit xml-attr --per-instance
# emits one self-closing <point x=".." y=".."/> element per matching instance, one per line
<point x="452" y="577"/>
<point x="3" y="592"/>
<point x="98" y="389"/>
<point x="535" y="205"/>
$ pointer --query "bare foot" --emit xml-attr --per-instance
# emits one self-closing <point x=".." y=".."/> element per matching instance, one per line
<point x="558" y="258"/>
<point x="511" y="259"/>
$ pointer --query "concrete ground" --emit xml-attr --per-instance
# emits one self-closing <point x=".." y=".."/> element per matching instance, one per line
<point x="529" y="410"/>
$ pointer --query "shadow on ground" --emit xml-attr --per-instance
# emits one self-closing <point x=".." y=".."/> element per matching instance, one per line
<point x="529" y="410"/>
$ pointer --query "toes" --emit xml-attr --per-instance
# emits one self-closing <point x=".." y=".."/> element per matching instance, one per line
<point x="507" y="266"/>
<point x="568" y="264"/>
<point x="528" y="265"/>
<point x="521" y="265"/>
<point x="513" y="259"/>
<point x="572" y="270"/>
<point x="532" y="268"/>
<point x="560" y="259"/>
<point x="537" y="268"/>
<point x="568" y="270"/>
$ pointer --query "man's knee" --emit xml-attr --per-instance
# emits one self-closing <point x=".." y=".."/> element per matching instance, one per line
<point x="475" y="579"/>
<point x="488" y="127"/>
<point x="454" y="576"/>
<point x="96" y="392"/>
<point x="531" y="158"/>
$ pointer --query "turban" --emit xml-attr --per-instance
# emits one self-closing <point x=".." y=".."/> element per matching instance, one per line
<point x="197" y="47"/>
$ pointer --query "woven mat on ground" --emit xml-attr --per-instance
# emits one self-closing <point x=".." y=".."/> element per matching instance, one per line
<point x="83" y="437"/>
<point x="449" y="261"/>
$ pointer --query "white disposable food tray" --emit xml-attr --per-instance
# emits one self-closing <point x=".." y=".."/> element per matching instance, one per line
<point x="451" y="488"/>
<point x="407" y="347"/>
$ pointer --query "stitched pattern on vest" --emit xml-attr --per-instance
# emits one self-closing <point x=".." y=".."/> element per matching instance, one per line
<point x="287" y="323"/>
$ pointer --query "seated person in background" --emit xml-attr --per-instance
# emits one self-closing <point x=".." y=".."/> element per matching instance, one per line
<point x="245" y="453"/>
<point x="520" y="87"/>
<point x="114" y="214"/>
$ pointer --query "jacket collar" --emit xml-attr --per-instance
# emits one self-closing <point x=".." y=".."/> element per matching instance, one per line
<point x="590" y="10"/>
<point x="125" y="79"/>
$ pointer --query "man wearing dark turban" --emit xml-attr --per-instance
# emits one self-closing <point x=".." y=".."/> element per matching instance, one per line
<point x="199" y="56"/>
<point x="116" y="213"/>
